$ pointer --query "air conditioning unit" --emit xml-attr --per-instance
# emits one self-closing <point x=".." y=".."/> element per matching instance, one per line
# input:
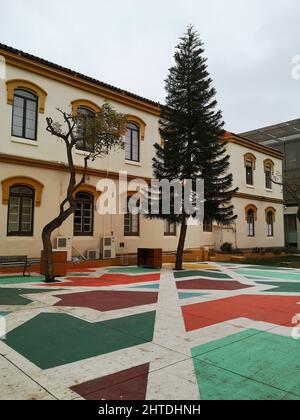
<point x="108" y="247"/>
<point x="64" y="243"/>
<point x="93" y="254"/>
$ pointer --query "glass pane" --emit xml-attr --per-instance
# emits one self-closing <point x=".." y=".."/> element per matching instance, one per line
<point x="31" y="106"/>
<point x="26" y="227"/>
<point x="18" y="121"/>
<point x="13" y="227"/>
<point x="18" y="102"/>
<point x="25" y="94"/>
<point x="30" y="134"/>
<point x="17" y="131"/>
<point x="21" y="191"/>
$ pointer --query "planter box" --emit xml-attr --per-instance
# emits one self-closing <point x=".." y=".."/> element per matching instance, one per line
<point x="151" y="258"/>
<point x="59" y="263"/>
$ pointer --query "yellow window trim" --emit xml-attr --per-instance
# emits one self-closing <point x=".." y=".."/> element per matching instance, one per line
<point x="136" y="120"/>
<point x="251" y="207"/>
<point x="269" y="164"/>
<point x="26" y="182"/>
<point x="84" y="103"/>
<point x="14" y="84"/>
<point x="270" y="210"/>
<point x="87" y="188"/>
<point x="250" y="157"/>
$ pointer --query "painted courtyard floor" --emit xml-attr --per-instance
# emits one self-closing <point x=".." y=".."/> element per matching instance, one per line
<point x="211" y="332"/>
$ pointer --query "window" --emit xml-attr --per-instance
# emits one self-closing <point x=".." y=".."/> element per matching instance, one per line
<point x="249" y="172"/>
<point x="131" y="222"/>
<point x="250" y="165"/>
<point x="207" y="226"/>
<point x="170" y="228"/>
<point x="84" y="215"/>
<point x="251" y="223"/>
<point x="86" y="116"/>
<point x="25" y="110"/>
<point x="270" y="224"/>
<point x="132" y="143"/>
<point x="20" y="211"/>
<point x="268" y="174"/>
<point x="269" y="171"/>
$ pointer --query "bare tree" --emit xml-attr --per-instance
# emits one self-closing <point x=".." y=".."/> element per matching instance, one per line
<point x="290" y="183"/>
<point x="101" y="135"/>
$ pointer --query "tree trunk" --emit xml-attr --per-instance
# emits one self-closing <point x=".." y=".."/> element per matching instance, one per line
<point x="49" y="272"/>
<point x="46" y="236"/>
<point x="298" y="213"/>
<point x="180" y="249"/>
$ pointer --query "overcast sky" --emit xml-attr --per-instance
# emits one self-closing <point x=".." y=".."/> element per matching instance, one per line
<point x="130" y="44"/>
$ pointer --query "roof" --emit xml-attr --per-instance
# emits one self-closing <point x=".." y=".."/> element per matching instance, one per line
<point x="21" y="54"/>
<point x="250" y="144"/>
<point x="65" y="75"/>
<point x="277" y="133"/>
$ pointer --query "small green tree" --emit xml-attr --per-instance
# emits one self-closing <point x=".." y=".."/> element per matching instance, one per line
<point x="101" y="135"/>
<point x="191" y="128"/>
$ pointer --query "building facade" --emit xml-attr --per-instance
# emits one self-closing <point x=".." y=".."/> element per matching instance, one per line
<point x="285" y="137"/>
<point x="34" y="175"/>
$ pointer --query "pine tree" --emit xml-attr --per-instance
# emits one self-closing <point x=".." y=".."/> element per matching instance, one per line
<point x="191" y="129"/>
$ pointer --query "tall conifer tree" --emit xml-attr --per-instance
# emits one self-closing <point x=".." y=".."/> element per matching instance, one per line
<point x="191" y="127"/>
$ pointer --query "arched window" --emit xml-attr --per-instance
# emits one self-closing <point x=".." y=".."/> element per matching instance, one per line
<point x="25" y="111"/>
<point x="132" y="143"/>
<point x="251" y="222"/>
<point x="270" y="219"/>
<point x="269" y="172"/>
<point x="131" y="221"/>
<point x="250" y="165"/>
<point x="170" y="228"/>
<point x="85" y="118"/>
<point x="20" y="211"/>
<point x="270" y="224"/>
<point x="84" y="214"/>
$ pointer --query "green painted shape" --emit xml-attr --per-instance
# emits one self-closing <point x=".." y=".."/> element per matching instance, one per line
<point x="133" y="270"/>
<point x="282" y="287"/>
<point x="190" y="295"/>
<point x="261" y="267"/>
<point x="149" y="286"/>
<point x="3" y="314"/>
<point x="13" y="297"/>
<point x="21" y="279"/>
<point x="270" y="274"/>
<point x="200" y="273"/>
<point x="250" y="365"/>
<point x="51" y="340"/>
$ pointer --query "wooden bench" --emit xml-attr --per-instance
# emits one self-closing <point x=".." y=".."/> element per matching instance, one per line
<point x="17" y="261"/>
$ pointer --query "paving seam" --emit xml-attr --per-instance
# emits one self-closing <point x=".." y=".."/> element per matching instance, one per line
<point x="29" y="377"/>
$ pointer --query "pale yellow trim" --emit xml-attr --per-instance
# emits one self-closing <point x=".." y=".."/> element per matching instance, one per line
<point x="72" y="79"/>
<point x="136" y="120"/>
<point x="25" y="181"/>
<point x="250" y="157"/>
<point x="272" y="210"/>
<point x="251" y="207"/>
<point x="268" y="163"/>
<point x="91" y="189"/>
<point x="14" y="84"/>
<point x="84" y="103"/>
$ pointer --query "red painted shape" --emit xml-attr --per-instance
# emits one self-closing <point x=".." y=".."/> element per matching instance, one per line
<point x="107" y="300"/>
<point x="278" y="310"/>
<point x="201" y="284"/>
<point x="128" y="385"/>
<point x="106" y="280"/>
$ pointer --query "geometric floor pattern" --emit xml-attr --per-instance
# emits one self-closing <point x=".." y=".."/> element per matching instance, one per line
<point x="210" y="332"/>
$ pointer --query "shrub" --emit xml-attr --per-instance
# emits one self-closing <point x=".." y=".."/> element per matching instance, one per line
<point x="227" y="248"/>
